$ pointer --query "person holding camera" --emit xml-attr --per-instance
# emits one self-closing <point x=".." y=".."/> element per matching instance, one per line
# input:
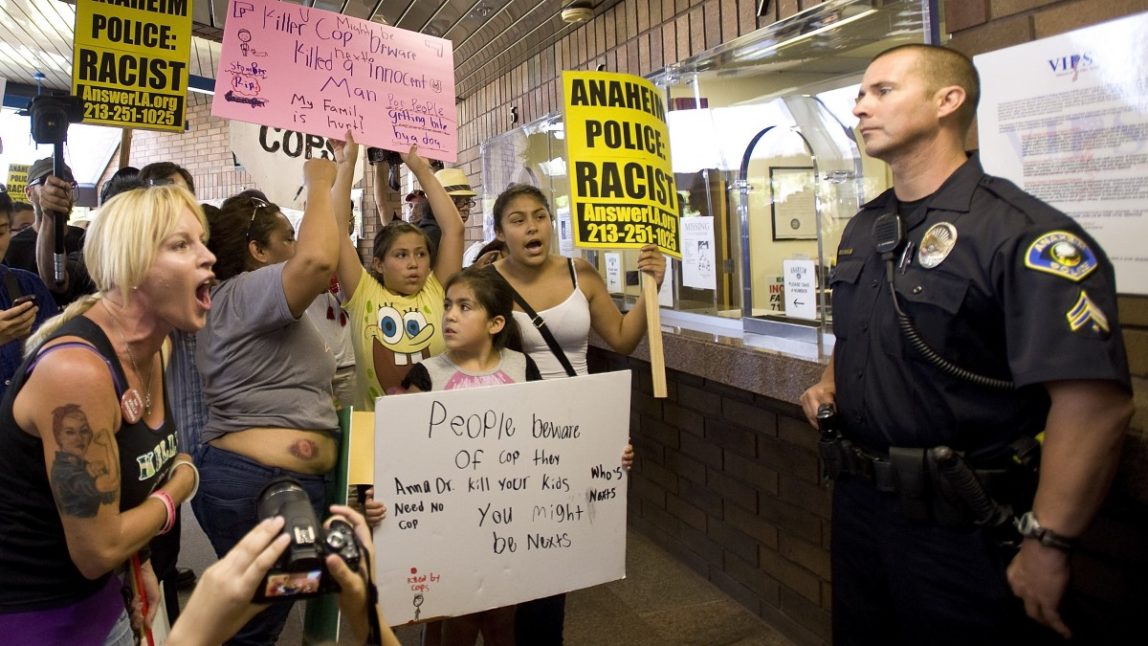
<point x="87" y="448"/>
<point x="222" y="601"/>
<point x="25" y="302"/>
<point x="267" y="374"/>
<point x="32" y="249"/>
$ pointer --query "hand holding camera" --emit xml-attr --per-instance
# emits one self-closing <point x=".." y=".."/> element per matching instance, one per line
<point x="302" y="570"/>
<point x="221" y="603"/>
<point x="228" y="592"/>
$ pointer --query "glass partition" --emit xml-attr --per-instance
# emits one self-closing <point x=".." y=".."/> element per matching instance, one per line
<point x="765" y="157"/>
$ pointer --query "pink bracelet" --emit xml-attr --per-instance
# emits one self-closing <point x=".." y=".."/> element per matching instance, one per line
<point x="169" y="504"/>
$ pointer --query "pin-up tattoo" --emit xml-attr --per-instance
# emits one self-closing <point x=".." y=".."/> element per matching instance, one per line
<point x="85" y="474"/>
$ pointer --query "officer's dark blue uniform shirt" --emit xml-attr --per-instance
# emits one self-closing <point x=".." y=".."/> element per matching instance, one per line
<point x="1023" y="294"/>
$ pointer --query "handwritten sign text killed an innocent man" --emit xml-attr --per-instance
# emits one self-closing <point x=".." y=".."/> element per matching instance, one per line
<point x="324" y="73"/>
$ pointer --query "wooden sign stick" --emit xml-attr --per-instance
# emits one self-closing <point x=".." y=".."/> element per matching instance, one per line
<point x="654" y="335"/>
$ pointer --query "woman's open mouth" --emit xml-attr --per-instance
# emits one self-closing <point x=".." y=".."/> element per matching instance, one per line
<point x="203" y="293"/>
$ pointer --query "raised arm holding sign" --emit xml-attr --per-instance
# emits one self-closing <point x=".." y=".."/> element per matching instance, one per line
<point x="622" y="189"/>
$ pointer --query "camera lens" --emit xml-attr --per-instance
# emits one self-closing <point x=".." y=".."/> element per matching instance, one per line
<point x="285" y="497"/>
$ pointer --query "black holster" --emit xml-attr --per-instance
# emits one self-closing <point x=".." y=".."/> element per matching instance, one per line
<point x="936" y="485"/>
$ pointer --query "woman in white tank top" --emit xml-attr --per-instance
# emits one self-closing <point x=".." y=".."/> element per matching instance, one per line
<point x="570" y="297"/>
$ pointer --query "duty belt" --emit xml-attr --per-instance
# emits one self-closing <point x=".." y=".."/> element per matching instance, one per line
<point x="937" y="484"/>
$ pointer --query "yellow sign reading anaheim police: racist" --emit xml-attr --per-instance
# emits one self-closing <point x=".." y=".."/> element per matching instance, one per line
<point x="130" y="62"/>
<point x="622" y="190"/>
<point x="17" y="180"/>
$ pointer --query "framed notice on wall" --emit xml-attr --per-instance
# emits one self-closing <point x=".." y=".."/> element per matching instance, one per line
<point x="793" y="203"/>
<point x="1066" y="119"/>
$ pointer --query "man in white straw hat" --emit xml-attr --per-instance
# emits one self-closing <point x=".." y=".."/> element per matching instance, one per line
<point x="457" y="186"/>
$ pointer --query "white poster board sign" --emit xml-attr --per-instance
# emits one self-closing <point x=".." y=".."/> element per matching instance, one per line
<point x="614" y="283"/>
<point x="698" y="253"/>
<point x="500" y="495"/>
<point x="800" y="289"/>
<point x="1066" y="119"/>
<point x="275" y="157"/>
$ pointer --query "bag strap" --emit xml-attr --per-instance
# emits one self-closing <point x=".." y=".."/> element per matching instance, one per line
<point x="119" y="385"/>
<point x="540" y="325"/>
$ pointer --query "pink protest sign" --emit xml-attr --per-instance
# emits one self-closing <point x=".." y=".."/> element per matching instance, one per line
<point x="324" y="73"/>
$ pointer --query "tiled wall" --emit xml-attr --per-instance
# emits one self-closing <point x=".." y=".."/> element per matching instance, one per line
<point x="727" y="481"/>
<point x="636" y="36"/>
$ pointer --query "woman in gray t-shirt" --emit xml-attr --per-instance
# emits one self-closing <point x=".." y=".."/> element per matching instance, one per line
<point x="266" y="371"/>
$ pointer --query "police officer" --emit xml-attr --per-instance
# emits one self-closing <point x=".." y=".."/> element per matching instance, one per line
<point x="1011" y="331"/>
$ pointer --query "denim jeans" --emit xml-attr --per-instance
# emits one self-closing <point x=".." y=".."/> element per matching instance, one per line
<point x="121" y="633"/>
<point x="226" y="510"/>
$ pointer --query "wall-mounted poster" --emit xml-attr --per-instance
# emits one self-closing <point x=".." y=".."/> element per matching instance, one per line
<point x="793" y="202"/>
<point x="1066" y="119"/>
<point x="698" y="253"/>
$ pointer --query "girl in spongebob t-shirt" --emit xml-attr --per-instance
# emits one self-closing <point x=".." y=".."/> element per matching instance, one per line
<point x="396" y="318"/>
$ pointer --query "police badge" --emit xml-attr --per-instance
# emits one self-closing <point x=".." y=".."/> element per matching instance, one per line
<point x="936" y="244"/>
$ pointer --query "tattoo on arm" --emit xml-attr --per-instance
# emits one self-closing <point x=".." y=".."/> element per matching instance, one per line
<point x="85" y="472"/>
<point x="305" y="449"/>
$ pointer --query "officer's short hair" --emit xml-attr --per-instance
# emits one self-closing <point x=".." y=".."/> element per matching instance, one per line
<point x="942" y="67"/>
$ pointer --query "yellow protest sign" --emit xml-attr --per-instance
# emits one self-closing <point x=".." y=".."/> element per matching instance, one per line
<point x="622" y="189"/>
<point x="17" y="180"/>
<point x="129" y="63"/>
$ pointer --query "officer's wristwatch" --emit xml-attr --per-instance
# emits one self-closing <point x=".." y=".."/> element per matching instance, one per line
<point x="1029" y="527"/>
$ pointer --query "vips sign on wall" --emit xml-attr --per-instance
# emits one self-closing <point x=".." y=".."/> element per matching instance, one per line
<point x="129" y="62"/>
<point x="320" y="72"/>
<point x="1066" y="119"/>
<point x="500" y="495"/>
<point x="622" y="189"/>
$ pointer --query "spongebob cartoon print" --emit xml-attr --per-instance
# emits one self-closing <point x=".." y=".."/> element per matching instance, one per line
<point x="401" y="338"/>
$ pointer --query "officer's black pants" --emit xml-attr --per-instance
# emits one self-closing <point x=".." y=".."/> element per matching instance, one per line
<point x="897" y="581"/>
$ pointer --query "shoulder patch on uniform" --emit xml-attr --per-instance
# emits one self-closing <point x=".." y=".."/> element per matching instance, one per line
<point x="1086" y="314"/>
<point x="1061" y="253"/>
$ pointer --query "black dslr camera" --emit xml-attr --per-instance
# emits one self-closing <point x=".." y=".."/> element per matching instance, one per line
<point x="301" y="571"/>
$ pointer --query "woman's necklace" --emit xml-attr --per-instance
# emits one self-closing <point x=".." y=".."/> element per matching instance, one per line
<point x="132" y="405"/>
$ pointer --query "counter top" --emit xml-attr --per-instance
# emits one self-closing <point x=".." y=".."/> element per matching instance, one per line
<point x="765" y="365"/>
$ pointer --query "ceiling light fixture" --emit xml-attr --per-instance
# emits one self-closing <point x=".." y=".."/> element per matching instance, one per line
<point x="578" y="12"/>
